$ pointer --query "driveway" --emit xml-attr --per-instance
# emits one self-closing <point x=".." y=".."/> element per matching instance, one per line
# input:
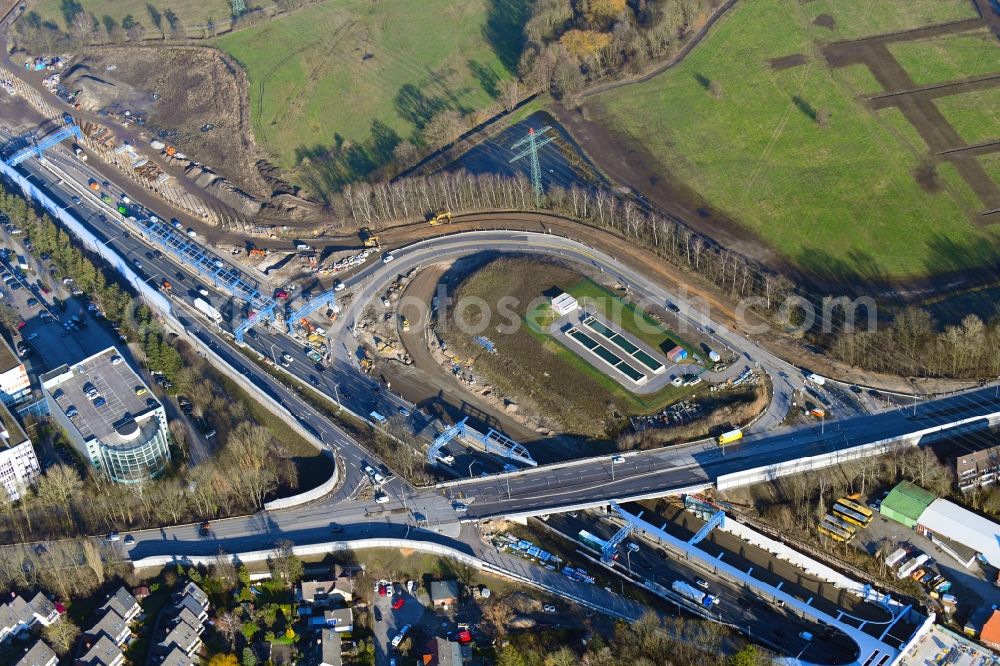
<point x="392" y="621"/>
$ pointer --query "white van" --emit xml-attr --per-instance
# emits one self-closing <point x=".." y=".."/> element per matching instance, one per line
<point x="377" y="418"/>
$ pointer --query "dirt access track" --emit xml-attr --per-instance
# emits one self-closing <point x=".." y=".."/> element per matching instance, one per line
<point x="721" y="309"/>
<point x="916" y="103"/>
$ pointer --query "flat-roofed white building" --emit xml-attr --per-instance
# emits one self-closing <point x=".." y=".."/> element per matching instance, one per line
<point x="15" y="385"/>
<point x="19" y="466"/>
<point x="946" y="523"/>
<point x="563" y="304"/>
<point x="110" y="415"/>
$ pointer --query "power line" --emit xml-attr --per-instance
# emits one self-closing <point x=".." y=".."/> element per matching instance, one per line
<point x="532" y="150"/>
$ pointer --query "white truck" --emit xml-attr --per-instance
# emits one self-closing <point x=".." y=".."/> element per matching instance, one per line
<point x="693" y="593"/>
<point x="910" y="566"/>
<point x="208" y="310"/>
<point x="896" y="557"/>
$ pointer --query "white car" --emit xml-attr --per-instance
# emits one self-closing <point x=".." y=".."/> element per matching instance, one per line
<point x="381" y="499"/>
<point x="202" y="291"/>
<point x="177" y="225"/>
<point x="339" y="286"/>
<point x="618" y="460"/>
<point x="447" y="459"/>
<point x="387" y="257"/>
<point x="378" y="478"/>
<point x="368" y="470"/>
<point x="398" y="638"/>
<point x="191" y="233"/>
<point x="459" y="507"/>
<point x="385" y="301"/>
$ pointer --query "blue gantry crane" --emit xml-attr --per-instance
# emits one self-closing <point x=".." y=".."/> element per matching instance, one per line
<point x="327" y="298"/>
<point x="38" y="147"/>
<point x="493" y="441"/>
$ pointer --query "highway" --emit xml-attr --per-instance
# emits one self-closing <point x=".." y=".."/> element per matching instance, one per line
<point x="545" y="487"/>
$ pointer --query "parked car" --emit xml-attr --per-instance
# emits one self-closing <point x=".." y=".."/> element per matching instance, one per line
<point x="113" y="536"/>
<point x="398" y="603"/>
<point x="205" y="529"/>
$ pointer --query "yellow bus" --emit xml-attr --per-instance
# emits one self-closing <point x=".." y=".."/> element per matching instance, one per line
<point x="850" y="515"/>
<point x="841" y="523"/>
<point x="832" y="532"/>
<point x="860" y="508"/>
<point x="730" y="437"/>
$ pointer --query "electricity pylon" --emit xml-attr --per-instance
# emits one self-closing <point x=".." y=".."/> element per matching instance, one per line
<point x="533" y="145"/>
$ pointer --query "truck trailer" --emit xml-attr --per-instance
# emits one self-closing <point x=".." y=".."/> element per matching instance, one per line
<point x="693" y="593"/>
<point x="208" y="310"/>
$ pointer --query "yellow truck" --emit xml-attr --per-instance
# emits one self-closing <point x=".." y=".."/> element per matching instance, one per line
<point x="730" y="437"/>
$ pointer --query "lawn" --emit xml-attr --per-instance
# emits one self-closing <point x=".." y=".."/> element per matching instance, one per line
<point x="949" y="57"/>
<point x="991" y="164"/>
<point x="877" y="17"/>
<point x="627" y="316"/>
<point x="356" y="72"/>
<point x="535" y="368"/>
<point x="974" y="115"/>
<point x="190" y="13"/>
<point x="834" y="199"/>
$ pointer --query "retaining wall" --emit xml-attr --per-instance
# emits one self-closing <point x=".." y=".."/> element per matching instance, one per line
<point x="258" y="556"/>
<point x="810" y="463"/>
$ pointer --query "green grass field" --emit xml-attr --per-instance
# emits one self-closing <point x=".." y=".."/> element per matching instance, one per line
<point x="191" y="13"/>
<point x="536" y="368"/>
<point x="974" y="115"/>
<point x="366" y="73"/>
<point x="837" y="200"/>
<point x="948" y="57"/>
<point x="864" y="18"/>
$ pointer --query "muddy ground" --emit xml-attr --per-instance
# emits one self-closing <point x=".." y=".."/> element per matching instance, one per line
<point x="182" y="89"/>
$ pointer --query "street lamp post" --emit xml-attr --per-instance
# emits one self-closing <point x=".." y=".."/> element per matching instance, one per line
<point x="507" y="476"/>
<point x="470" y="467"/>
<point x="336" y="394"/>
<point x="628" y="560"/>
<point x="613" y="469"/>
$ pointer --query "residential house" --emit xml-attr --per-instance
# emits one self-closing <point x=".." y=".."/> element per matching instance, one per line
<point x="442" y="652"/>
<point x="123" y="603"/>
<point x="40" y="654"/>
<point x="444" y="593"/>
<point x="326" y="592"/>
<point x="196" y="593"/>
<point x="19" y="615"/>
<point x="191" y="604"/>
<point x="182" y="635"/>
<point x="177" y="657"/>
<point x="979" y="468"/>
<point x="340" y="620"/>
<point x="103" y="652"/>
<point x="111" y="625"/>
<point x="329" y="650"/>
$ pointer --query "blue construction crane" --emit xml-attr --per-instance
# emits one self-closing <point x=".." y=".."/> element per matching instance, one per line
<point x="266" y="313"/>
<point x="717" y="519"/>
<point x="327" y="298"/>
<point x="38" y="147"/>
<point x="611" y="545"/>
<point x="492" y="441"/>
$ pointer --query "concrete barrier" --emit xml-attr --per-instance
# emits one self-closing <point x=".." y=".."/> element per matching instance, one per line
<point x="259" y="556"/>
<point x="162" y="305"/>
<point x="811" y="463"/>
<point x="150" y="295"/>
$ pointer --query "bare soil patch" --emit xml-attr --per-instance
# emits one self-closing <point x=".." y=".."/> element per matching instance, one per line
<point x="825" y="21"/>
<point x="927" y="177"/>
<point x="193" y="98"/>
<point x="788" y="61"/>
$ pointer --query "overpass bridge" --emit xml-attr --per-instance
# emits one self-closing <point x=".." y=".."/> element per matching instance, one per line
<point x="693" y="467"/>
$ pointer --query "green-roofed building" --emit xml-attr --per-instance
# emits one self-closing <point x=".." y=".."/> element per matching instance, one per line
<point x="905" y="503"/>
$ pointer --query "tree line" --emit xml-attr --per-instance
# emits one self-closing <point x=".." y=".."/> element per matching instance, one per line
<point x="570" y="44"/>
<point x="69" y="499"/>
<point x="81" y="27"/>
<point x="651" y="640"/>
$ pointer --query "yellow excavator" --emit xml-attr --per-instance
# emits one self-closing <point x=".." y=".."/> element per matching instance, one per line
<point x="439" y="217"/>
<point x="369" y="238"/>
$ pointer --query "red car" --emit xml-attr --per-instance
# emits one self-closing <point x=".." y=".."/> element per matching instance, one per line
<point x="22" y="324"/>
<point x="381" y="589"/>
<point x="398" y="603"/>
<point x="281" y="293"/>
